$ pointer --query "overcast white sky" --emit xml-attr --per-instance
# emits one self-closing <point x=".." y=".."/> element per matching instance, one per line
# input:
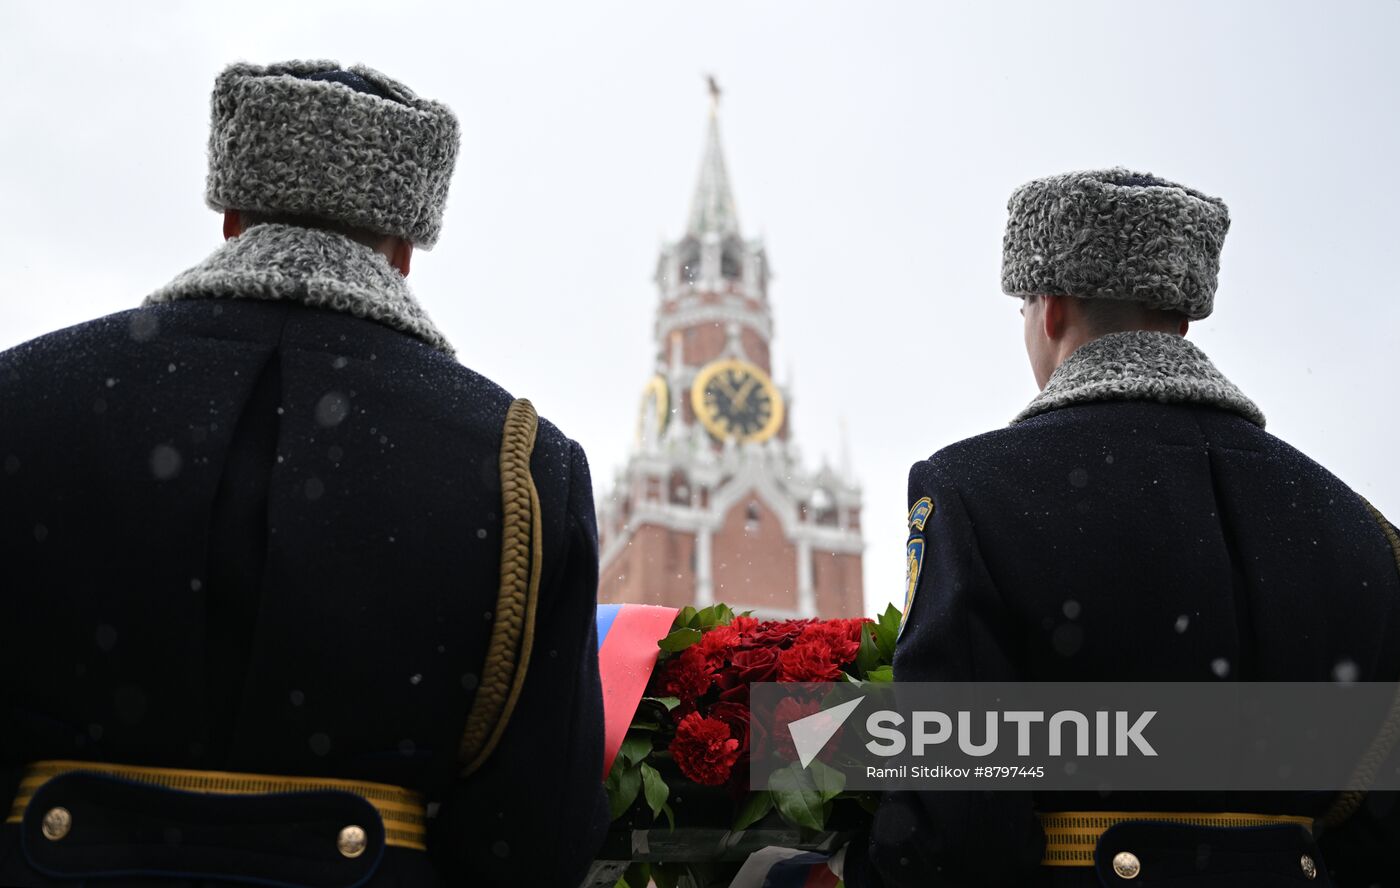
<point x="873" y="145"/>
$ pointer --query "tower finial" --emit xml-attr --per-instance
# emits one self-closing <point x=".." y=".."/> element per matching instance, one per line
<point x="712" y="208"/>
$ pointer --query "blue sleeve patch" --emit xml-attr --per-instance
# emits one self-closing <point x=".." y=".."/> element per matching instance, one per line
<point x="914" y="554"/>
<point x="914" y="563"/>
<point x="919" y="515"/>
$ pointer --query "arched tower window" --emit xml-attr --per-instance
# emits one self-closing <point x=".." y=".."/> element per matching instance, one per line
<point x="731" y="262"/>
<point x="688" y="260"/>
<point x="824" y="508"/>
<point x="751" y="517"/>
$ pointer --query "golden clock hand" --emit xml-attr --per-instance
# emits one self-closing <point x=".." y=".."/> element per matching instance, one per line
<point x="742" y="396"/>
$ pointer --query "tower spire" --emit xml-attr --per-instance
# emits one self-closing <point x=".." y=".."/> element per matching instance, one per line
<point x="712" y="208"/>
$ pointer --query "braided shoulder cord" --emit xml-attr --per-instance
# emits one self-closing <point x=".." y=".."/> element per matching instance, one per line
<point x="513" y="633"/>
<point x="1348" y="802"/>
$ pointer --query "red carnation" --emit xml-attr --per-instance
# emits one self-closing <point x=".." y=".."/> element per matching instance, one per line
<point x="718" y="642"/>
<point x="736" y="716"/>
<point x="810" y="660"/>
<point x="853" y="625"/>
<point x="744" y="623"/>
<point x="704" y="750"/>
<point x="688" y="676"/>
<point x="841" y="636"/>
<point x="789" y="710"/>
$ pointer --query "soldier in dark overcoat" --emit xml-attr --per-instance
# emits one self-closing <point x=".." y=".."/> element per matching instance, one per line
<point x="288" y="595"/>
<point x="1134" y="523"/>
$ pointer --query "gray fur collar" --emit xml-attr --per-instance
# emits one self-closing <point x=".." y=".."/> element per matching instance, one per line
<point x="1140" y="366"/>
<point x="316" y="268"/>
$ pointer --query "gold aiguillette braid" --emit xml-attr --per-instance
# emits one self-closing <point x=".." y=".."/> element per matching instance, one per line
<point x="513" y="633"/>
<point x="1347" y="802"/>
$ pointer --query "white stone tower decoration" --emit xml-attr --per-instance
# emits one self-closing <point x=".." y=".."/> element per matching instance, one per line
<point x="714" y="503"/>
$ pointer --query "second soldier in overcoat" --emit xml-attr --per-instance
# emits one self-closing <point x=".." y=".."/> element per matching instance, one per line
<point x="1134" y="523"/>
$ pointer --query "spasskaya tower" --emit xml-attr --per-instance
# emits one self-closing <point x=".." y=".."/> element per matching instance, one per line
<point x="714" y="503"/>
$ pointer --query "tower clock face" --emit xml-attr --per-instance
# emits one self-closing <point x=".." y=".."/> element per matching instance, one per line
<point x="735" y="399"/>
<point x="656" y="406"/>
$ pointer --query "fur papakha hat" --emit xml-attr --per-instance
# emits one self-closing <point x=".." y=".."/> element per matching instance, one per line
<point x="352" y="146"/>
<point x="1115" y="234"/>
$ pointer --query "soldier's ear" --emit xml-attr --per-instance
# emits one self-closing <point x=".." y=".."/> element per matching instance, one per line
<point x="403" y="256"/>
<point x="1054" y="316"/>
<point x="233" y="224"/>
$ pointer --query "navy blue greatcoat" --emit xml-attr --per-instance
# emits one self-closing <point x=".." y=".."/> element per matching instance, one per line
<point x="261" y="537"/>
<point x="1132" y="540"/>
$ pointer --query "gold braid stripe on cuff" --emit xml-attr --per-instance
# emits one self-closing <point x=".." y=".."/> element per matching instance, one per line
<point x="1071" y="836"/>
<point x="401" y="809"/>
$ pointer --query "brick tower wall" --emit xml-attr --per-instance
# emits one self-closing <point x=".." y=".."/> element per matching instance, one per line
<point x="656" y="568"/>
<point x="754" y="563"/>
<point x="838" y="584"/>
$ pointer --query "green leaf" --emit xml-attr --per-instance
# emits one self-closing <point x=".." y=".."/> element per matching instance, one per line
<point x="685" y="619"/>
<point x="884" y="673"/>
<point x="679" y="640"/>
<point x="796" y="797"/>
<point x="635" y="747"/>
<point x="622" y="785"/>
<point x="754" y="809"/>
<point x="828" y="781"/>
<point x="671" y="816"/>
<point x="708" y="618"/>
<point x="724" y="614"/>
<point x="887" y="630"/>
<point x="655" y="789"/>
<point x="868" y="657"/>
<point x="653" y="713"/>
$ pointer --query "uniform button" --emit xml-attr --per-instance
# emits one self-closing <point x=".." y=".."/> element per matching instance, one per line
<point x="352" y="841"/>
<point x="56" y="824"/>
<point x="1309" y="866"/>
<point x="1126" y="865"/>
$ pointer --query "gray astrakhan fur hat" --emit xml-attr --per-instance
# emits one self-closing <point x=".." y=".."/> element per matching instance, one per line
<point x="345" y="145"/>
<point x="1115" y="234"/>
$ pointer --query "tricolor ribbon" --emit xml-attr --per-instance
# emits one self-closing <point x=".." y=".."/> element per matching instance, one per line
<point x="627" y="652"/>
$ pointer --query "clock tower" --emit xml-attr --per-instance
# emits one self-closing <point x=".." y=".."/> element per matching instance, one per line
<point x="714" y="503"/>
